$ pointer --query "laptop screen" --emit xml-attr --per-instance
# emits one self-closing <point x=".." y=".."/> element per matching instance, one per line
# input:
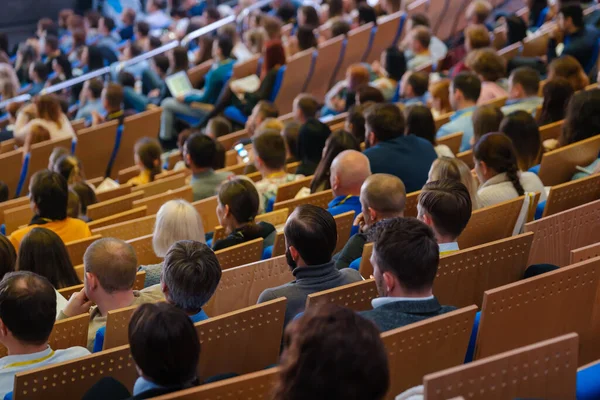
<point x="179" y="84"/>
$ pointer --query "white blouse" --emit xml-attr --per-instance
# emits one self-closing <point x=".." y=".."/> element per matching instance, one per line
<point x="499" y="188"/>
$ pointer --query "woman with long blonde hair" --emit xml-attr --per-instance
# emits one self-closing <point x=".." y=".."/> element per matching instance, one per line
<point x="455" y="169"/>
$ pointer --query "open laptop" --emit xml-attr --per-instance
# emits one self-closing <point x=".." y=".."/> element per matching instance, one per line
<point x="179" y="84"/>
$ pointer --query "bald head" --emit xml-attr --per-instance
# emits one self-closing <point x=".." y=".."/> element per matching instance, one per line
<point x="349" y="170"/>
<point x="113" y="262"/>
<point x="383" y="196"/>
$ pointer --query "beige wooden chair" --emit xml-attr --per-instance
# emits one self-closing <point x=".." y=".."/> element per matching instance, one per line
<point x="543" y="370"/>
<point x="197" y="73"/>
<point x="72" y="379"/>
<point x="343" y="224"/>
<point x="246" y="68"/>
<point x="76" y="249"/>
<point x="288" y="191"/>
<point x="240" y="254"/>
<point x="110" y="194"/>
<point x="323" y="70"/>
<point x="207" y="210"/>
<point x="453" y="141"/>
<point x="117" y="327"/>
<point x="154" y="203"/>
<point x="173" y="158"/>
<point x="11" y="204"/>
<point x="387" y="27"/>
<point x="366" y="268"/>
<point x="124" y="216"/>
<point x="129" y="229"/>
<point x="356" y="49"/>
<point x="279" y="245"/>
<point x="558" y="166"/>
<point x="227" y="141"/>
<point x="355" y="296"/>
<point x="161" y="186"/>
<point x="442" y="119"/>
<point x="144" y="250"/>
<point x="551" y="131"/>
<point x="320" y="199"/>
<point x="126" y="174"/>
<point x="535" y="46"/>
<point x="17" y="217"/>
<point x="275" y="218"/>
<point x="556" y="235"/>
<point x="453" y="14"/>
<point x="10" y="165"/>
<point x="113" y="206"/>
<point x="7" y="146"/>
<point x="427" y="346"/>
<point x="294" y="79"/>
<point x="510" y="52"/>
<point x="38" y="158"/>
<point x="95" y="146"/>
<point x="585" y="253"/>
<point x="572" y="194"/>
<point x="539" y="308"/>
<point x="467" y="158"/>
<point x="464" y="276"/>
<point x="410" y="207"/>
<point x="292" y="167"/>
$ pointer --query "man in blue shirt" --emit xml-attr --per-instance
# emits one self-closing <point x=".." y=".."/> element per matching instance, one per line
<point x="523" y="88"/>
<point x="392" y="152"/>
<point x="349" y="170"/>
<point x="214" y="81"/>
<point x="464" y="93"/>
<point x="90" y="100"/>
<point x="413" y="88"/>
<point x="38" y="73"/>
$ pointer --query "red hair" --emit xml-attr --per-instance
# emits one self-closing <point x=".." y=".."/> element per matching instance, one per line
<point x="274" y="56"/>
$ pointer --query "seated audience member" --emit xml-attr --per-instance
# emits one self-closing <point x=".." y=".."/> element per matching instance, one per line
<point x="49" y="196"/>
<point x="464" y="93"/>
<point x="337" y="142"/>
<point x="382" y="196"/>
<point x="437" y="48"/>
<point x="420" y="38"/>
<point x="445" y="206"/>
<point x="239" y="50"/>
<point x="49" y="116"/>
<point x="214" y="81"/>
<point x="405" y="261"/>
<point x="90" y="100"/>
<point x="156" y="17"/>
<point x="369" y="94"/>
<point x="142" y="35"/>
<point x="198" y="153"/>
<point x="147" y="153"/>
<point x="355" y="121"/>
<point x="539" y="13"/>
<point x="127" y="24"/>
<point x="109" y="38"/>
<point x="389" y="70"/>
<point x="27" y="313"/>
<point x="581" y="121"/>
<point x="523" y="88"/>
<point x="349" y="170"/>
<point x="569" y="68"/>
<point x="166" y="350"/>
<point x="70" y="168"/>
<point x="556" y="93"/>
<point x="420" y="122"/>
<point x="176" y="220"/>
<point x="340" y="28"/>
<point x="514" y="26"/>
<point x="498" y="172"/>
<point x="413" y="88"/>
<point x="269" y="159"/>
<point x="51" y="50"/>
<point x="486" y="119"/>
<point x="391" y="152"/>
<point x="328" y="337"/>
<point x="310" y="237"/>
<point x="580" y="41"/>
<point x="522" y="129"/>
<point x="217" y="127"/>
<point x="290" y="133"/>
<point x="440" y="97"/>
<point x="305" y="107"/>
<point x="446" y="168"/>
<point x="87" y="197"/>
<point x="366" y="14"/>
<point x="304" y="39"/>
<point x="110" y="267"/>
<point x="476" y="37"/>
<point x="312" y="137"/>
<point x="490" y="67"/>
<point x="342" y="95"/>
<point x="238" y="204"/>
<point x="261" y="112"/>
<point x="38" y="74"/>
<point x="112" y="101"/>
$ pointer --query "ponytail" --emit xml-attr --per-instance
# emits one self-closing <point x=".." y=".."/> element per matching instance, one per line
<point x="498" y="152"/>
<point x="513" y="174"/>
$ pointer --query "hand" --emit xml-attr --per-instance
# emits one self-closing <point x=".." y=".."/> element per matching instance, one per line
<point x="154" y="93"/>
<point x="180" y="99"/>
<point x="376" y="67"/>
<point x="360" y="222"/>
<point x="78" y="304"/>
<point x="97" y="118"/>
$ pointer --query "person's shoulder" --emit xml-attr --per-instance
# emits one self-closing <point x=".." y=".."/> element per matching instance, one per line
<point x="266" y="227"/>
<point x="351" y="275"/>
<point x="223" y="174"/>
<point x="78" y="223"/>
<point x="72" y="352"/>
<point x="274" y="292"/>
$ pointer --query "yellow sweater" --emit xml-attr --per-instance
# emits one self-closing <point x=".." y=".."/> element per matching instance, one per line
<point x="68" y="229"/>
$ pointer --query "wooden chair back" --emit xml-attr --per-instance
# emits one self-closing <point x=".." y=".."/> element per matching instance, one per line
<point x="81" y="374"/>
<point x="387" y="30"/>
<point x="435" y="12"/>
<point x="144" y="250"/>
<point x="95" y="146"/>
<point x="38" y="158"/>
<point x="173" y="158"/>
<point x="585" y="253"/>
<point x="544" y="370"/>
<point x="113" y="206"/>
<point x="356" y="296"/>
<point x="134" y="213"/>
<point x="275" y="218"/>
<point x="110" y="194"/>
<point x="467" y="158"/>
<point x="197" y="73"/>
<point x="343" y="223"/>
<point x="207" y="210"/>
<point x="491" y="223"/>
<point x="357" y="46"/>
<point x="464" y="276"/>
<point x="227" y="141"/>
<point x="240" y="254"/>
<point x="17" y="217"/>
<point x="288" y="191"/>
<point x="126" y="174"/>
<point x="572" y="194"/>
<point x="294" y="79"/>
<point x="497" y="102"/>
<point x="427" y="346"/>
<point x="453" y="141"/>
<point x="279" y="245"/>
<point x="78" y="125"/>
<point x="410" y="207"/>
<point x="7" y="146"/>
<point x="510" y="52"/>
<point x="10" y="204"/>
<point x="366" y="268"/>
<point x="551" y="131"/>
<point x="154" y="203"/>
<point x="77" y="248"/>
<point x="324" y="67"/>
<point x="242" y="341"/>
<point x="246" y="68"/>
<point x="535" y="46"/>
<point x="455" y="10"/>
<point x="161" y="186"/>
<point x="117" y="327"/>
<point x="10" y="165"/>
<point x="236" y="169"/>
<point x="129" y="229"/>
<point x="240" y="287"/>
<point x="442" y="119"/>
<point x="555" y="236"/>
<point x="542" y="307"/>
<point x="320" y="199"/>
<point x="558" y="166"/>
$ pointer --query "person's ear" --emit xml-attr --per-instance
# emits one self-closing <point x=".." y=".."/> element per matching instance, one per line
<point x="389" y="281"/>
<point x="226" y="210"/>
<point x="91" y="281"/>
<point x="294" y="253"/>
<point x="335" y="182"/>
<point x="164" y="289"/>
<point x="3" y="329"/>
<point x="188" y="159"/>
<point x="372" y="215"/>
<point x="427" y="219"/>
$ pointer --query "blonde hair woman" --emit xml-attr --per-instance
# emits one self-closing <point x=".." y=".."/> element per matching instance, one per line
<point x="176" y="220"/>
<point x="455" y="169"/>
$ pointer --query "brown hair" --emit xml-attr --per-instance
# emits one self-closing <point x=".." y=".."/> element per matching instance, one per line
<point x="422" y="34"/>
<point x="36" y="134"/>
<point x="487" y="63"/>
<point x="448" y="202"/>
<point x="440" y="90"/>
<point x="244" y="202"/>
<point x="522" y="129"/>
<point x="486" y="119"/>
<point x="48" y="108"/>
<point x="337" y="142"/>
<point x="114" y="263"/>
<point x="569" y="68"/>
<point x="478" y="37"/>
<point x="113" y="94"/>
<point x="498" y="153"/>
<point x="557" y="93"/>
<point x="270" y="148"/>
<point x="149" y="151"/>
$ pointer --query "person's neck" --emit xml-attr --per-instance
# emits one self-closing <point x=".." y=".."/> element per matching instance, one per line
<point x="466" y="104"/>
<point x="113" y="110"/>
<point x="410" y="294"/>
<point x="444" y="239"/>
<point x="19" y="348"/>
<point x="199" y="170"/>
<point x="114" y="301"/>
<point x="574" y="30"/>
<point x="271" y="173"/>
<point x="234" y="226"/>
<point x="347" y="192"/>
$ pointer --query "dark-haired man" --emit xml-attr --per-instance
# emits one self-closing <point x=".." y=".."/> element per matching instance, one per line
<point x="199" y="152"/>
<point x="405" y="261"/>
<point x="27" y="314"/>
<point x="310" y="237"/>
<point x="523" y="89"/>
<point x="413" y="88"/>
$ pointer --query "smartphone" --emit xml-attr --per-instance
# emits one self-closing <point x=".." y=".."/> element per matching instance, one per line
<point x="242" y="152"/>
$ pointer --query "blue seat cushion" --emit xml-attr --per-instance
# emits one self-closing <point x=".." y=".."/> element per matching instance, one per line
<point x="234" y="114"/>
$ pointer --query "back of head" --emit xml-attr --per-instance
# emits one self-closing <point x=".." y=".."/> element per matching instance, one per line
<point x="162" y="62"/>
<point x="68" y="167"/>
<point x="270" y="148"/>
<point x="95" y="87"/>
<point x="440" y="92"/>
<point x="201" y="149"/>
<point x="113" y="262"/>
<point x="385" y="122"/>
<point x="358" y="76"/>
<point x="41" y="70"/>
<point x="306" y="37"/>
<point x="419" y="81"/>
<point x="469" y="85"/>
<point x="27" y="307"/>
<point x="366" y="14"/>
<point x="528" y="78"/>
<point x="307" y="104"/>
<point x="447" y="168"/>
<point x="569" y="68"/>
<point x="422" y="34"/>
<point x="241" y="196"/>
<point x="266" y="109"/>
<point x="148" y="153"/>
<point x="517" y="29"/>
<point x="479" y="10"/>
<point x="290" y="134"/>
<point x="522" y="129"/>
<point x="349" y="170"/>
<point x="225" y="44"/>
<point x="49" y="192"/>
<point x="368" y="94"/>
<point x="582" y="120"/>
<point x="8" y="256"/>
<point x="272" y="124"/>
<point x="420" y="122"/>
<point x="191" y="273"/>
<point x="355" y="121"/>
<point x="499" y="155"/>
<point x="332" y="353"/>
<point x="395" y="63"/>
<point x="447" y="204"/>
<point x="86" y="194"/>
<point x="48" y="108"/>
<point x="219" y="126"/>
<point x="486" y="119"/>
<point x="142" y="28"/>
<point x="574" y="11"/>
<point x="420" y="19"/>
<point x="180" y="58"/>
<point x="557" y="94"/>
<point x="164" y="345"/>
<point x="477" y="37"/>
<point x="385" y="194"/>
<point x="274" y="56"/>
<point x="311" y="230"/>
<point x="176" y="220"/>
<point x="340" y="27"/>
<point x="113" y="95"/>
<point x="337" y="142"/>
<point x="487" y="64"/>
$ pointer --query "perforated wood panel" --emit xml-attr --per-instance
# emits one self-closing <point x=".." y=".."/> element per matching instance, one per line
<point x="95" y="146"/>
<point x="542" y="307"/>
<point x="545" y="370"/>
<point x="134" y="213"/>
<point x="10" y="165"/>
<point x="355" y="296"/>
<point x="140" y="278"/>
<point x="585" y="253"/>
<point x="126" y="174"/>
<point x="491" y="223"/>
<point x="240" y="254"/>
<point x="558" y="166"/>
<point x="572" y="194"/>
<point x="207" y="209"/>
<point x="427" y="346"/>
<point x="77" y="248"/>
<point x="410" y="208"/>
<point x="320" y="199"/>
<point x="113" y="206"/>
<point x="243" y="341"/>
<point x="129" y="229"/>
<point x="227" y="141"/>
<point x="289" y="190"/>
<point x="39" y="155"/>
<point x="161" y="186"/>
<point x="17" y="217"/>
<point x="71" y="379"/>
<point x="294" y="79"/>
<point x="275" y="218"/>
<point x="328" y="55"/>
<point x="453" y="141"/>
<point x="117" y="327"/>
<point x="464" y="276"/>
<point x="551" y="131"/>
<point x="557" y="235"/>
<point x="343" y="223"/>
<point x="154" y="203"/>
<point x="387" y="28"/>
<point x="144" y="250"/>
<point x="111" y="194"/>
<point x="240" y="287"/>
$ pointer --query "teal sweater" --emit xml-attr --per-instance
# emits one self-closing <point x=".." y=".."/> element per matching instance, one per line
<point x="214" y="81"/>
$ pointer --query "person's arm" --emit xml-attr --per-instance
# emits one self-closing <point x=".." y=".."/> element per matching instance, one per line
<point x="266" y="295"/>
<point x="351" y="251"/>
<point x="334" y="93"/>
<point x="264" y="90"/>
<point x="212" y="87"/>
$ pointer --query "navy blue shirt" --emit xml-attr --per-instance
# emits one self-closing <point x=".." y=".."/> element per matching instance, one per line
<point x="583" y="45"/>
<point x="407" y="157"/>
